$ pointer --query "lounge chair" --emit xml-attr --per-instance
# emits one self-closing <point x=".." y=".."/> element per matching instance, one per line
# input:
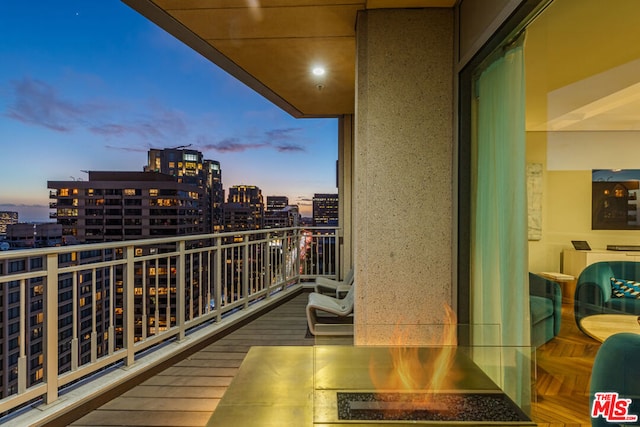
<point x="337" y="287"/>
<point x="339" y="308"/>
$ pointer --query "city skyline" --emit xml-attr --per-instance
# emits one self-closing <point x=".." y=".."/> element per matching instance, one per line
<point x="94" y="86"/>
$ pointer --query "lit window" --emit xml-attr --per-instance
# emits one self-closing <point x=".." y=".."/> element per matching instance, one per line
<point x="153" y="192"/>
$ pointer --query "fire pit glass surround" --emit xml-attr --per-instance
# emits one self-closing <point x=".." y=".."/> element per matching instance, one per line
<point x="344" y="391"/>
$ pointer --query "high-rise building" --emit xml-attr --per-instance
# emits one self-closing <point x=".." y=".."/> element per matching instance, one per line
<point x="215" y="193"/>
<point x="127" y="206"/>
<point x="279" y="213"/>
<point x="186" y="165"/>
<point x="244" y="209"/>
<point x="113" y="206"/>
<point x="22" y="236"/>
<point x="325" y="209"/>
<point x="189" y="167"/>
<point x="275" y="203"/>
<point x="26" y="235"/>
<point x="6" y="218"/>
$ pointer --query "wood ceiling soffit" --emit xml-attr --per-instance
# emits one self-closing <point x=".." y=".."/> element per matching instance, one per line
<point x="245" y="4"/>
<point x="303" y="22"/>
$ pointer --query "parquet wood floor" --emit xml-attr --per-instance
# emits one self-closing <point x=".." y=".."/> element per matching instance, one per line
<point x="563" y="373"/>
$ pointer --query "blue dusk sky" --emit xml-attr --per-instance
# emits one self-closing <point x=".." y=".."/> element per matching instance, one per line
<point x="92" y="85"/>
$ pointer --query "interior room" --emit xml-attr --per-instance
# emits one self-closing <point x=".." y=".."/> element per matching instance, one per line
<point x="582" y="113"/>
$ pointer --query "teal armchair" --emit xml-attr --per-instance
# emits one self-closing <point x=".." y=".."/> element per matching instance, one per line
<point x="545" y="303"/>
<point x="594" y="291"/>
<point x="614" y="371"/>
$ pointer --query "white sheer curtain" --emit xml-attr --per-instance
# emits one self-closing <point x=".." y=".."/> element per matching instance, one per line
<point x="500" y="289"/>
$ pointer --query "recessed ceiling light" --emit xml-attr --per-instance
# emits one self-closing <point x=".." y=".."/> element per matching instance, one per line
<point x="318" y="71"/>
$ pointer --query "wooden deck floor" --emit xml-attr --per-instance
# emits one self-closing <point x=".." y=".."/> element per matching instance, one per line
<point x="186" y="394"/>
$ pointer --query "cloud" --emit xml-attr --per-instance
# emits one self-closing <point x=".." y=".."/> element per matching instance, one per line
<point x="110" y="129"/>
<point x="229" y="145"/>
<point x="9" y="206"/>
<point x="283" y="140"/>
<point x="162" y="125"/>
<point x="36" y="102"/>
<point x="304" y="201"/>
<point x="282" y="134"/>
<point x="289" y="148"/>
<point x="128" y="149"/>
<point x="39" y="103"/>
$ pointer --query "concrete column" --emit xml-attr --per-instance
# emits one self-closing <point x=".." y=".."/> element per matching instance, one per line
<point x="403" y="172"/>
<point x="345" y="191"/>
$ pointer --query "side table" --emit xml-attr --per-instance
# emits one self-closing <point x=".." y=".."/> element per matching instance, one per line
<point x="567" y="284"/>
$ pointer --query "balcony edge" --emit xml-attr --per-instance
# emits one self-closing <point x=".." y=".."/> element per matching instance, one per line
<point x="81" y="400"/>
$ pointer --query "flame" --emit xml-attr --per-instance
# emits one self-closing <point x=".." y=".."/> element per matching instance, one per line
<point x="413" y="370"/>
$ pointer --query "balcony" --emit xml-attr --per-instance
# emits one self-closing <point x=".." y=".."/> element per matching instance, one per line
<point x="176" y="317"/>
<point x="111" y="312"/>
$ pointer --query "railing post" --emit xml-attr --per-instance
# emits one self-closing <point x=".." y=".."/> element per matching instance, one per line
<point x="266" y="261"/>
<point x="128" y="289"/>
<point x="94" y="333"/>
<point x="181" y="290"/>
<point x="336" y="254"/>
<point x="51" y="328"/>
<point x="288" y="265"/>
<point x="112" y="293"/>
<point x="245" y="270"/>
<point x="217" y="279"/>
<point x="145" y="291"/>
<point x="298" y="252"/>
<point x="74" y="336"/>
<point x="22" y="360"/>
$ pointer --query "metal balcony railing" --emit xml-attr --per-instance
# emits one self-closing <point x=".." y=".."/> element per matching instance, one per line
<point x="70" y="312"/>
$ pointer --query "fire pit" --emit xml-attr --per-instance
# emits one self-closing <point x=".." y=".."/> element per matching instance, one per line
<point x="332" y="385"/>
<point x="346" y="390"/>
<point x="469" y="407"/>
